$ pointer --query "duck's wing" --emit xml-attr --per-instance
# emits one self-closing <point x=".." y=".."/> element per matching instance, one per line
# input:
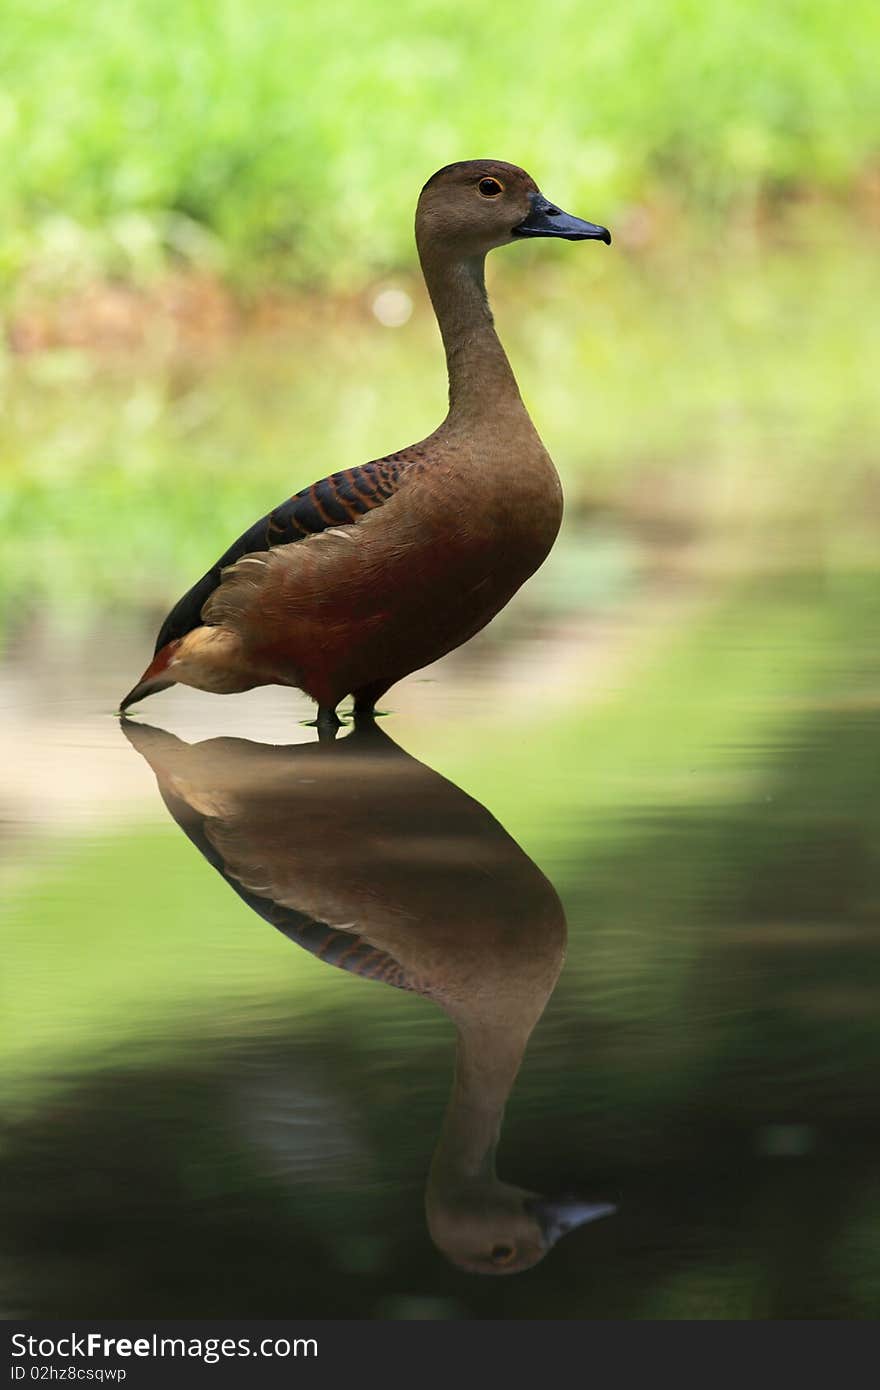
<point x="339" y="946"/>
<point x="338" y="500"/>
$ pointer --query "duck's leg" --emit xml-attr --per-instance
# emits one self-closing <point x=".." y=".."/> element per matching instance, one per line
<point x="328" y="722"/>
<point x="365" y="699"/>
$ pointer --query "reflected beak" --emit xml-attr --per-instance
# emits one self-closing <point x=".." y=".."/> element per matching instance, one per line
<point x="545" y="219"/>
<point x="559" y="1215"/>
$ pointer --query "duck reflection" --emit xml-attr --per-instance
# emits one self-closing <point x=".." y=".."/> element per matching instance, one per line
<point x="378" y="865"/>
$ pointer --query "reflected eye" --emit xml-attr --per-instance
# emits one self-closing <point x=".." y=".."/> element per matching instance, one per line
<point x="490" y="188"/>
<point x="502" y="1254"/>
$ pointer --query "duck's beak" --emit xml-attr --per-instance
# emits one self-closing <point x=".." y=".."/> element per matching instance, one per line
<point x="557" y="1216"/>
<point x="545" y="219"/>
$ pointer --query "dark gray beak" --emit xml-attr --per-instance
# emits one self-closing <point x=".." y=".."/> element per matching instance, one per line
<point x="559" y="1215"/>
<point x="547" y="220"/>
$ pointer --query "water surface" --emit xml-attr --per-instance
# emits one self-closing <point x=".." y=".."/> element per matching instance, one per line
<point x="204" y="1117"/>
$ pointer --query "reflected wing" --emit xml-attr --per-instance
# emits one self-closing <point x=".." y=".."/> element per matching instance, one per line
<point x="335" y="946"/>
<point x="339" y="500"/>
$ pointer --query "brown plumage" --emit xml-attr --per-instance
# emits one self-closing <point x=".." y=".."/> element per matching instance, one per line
<point x="377" y="571"/>
<point x="376" y="864"/>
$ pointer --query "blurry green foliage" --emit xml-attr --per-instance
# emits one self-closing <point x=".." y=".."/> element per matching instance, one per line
<point x="268" y="139"/>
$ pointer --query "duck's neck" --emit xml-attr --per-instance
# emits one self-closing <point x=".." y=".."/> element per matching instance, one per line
<point x="481" y="381"/>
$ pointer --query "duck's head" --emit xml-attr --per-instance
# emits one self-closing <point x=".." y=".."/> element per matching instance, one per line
<point x="468" y="208"/>
<point x="496" y="1228"/>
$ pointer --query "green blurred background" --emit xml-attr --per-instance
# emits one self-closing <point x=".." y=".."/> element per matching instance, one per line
<point x="210" y="299"/>
<point x="287" y="142"/>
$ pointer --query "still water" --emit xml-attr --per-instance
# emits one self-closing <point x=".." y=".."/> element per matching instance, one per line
<point x="238" y="961"/>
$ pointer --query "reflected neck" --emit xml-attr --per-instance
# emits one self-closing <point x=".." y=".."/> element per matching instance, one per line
<point x="486" y="1065"/>
<point x="480" y="376"/>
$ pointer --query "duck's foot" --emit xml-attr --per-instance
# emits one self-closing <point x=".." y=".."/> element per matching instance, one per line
<point x="328" y="723"/>
<point x="365" y="700"/>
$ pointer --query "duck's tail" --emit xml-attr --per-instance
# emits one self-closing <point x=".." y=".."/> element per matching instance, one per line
<point x="152" y="681"/>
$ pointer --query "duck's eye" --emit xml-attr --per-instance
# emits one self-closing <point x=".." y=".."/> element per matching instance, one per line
<point x="502" y="1254"/>
<point x="490" y="188"/>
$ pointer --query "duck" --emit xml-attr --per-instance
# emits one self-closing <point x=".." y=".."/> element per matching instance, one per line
<point x="381" y="569"/>
<point x="377" y="865"/>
